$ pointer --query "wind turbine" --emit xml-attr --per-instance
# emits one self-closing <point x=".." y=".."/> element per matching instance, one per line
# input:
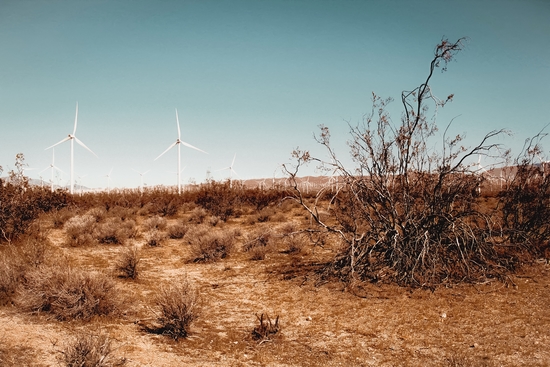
<point x="72" y="137"/>
<point x="231" y="170"/>
<point x="53" y="167"/>
<point x="141" y="174"/>
<point x="179" y="142"/>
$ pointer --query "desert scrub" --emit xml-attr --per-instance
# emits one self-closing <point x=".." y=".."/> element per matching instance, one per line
<point x="258" y="243"/>
<point x="155" y="222"/>
<point x="208" y="245"/>
<point x="127" y="264"/>
<point x="115" y="231"/>
<point x="89" y="350"/>
<point x="198" y="215"/>
<point x="68" y="294"/>
<point x="79" y="230"/>
<point x="177" y="230"/>
<point x="178" y="307"/>
<point x="155" y="238"/>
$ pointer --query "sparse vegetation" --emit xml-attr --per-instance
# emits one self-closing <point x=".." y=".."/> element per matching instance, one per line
<point x="266" y="328"/>
<point x="209" y="245"/>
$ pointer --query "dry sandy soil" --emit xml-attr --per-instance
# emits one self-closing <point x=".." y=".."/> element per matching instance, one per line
<point x="491" y="324"/>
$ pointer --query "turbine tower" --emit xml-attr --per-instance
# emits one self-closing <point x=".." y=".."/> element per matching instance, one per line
<point x="179" y="142"/>
<point x="141" y="174"/>
<point x="72" y="137"/>
<point x="53" y="167"/>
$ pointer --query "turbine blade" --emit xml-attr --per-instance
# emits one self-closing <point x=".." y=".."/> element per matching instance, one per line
<point x="144" y="173"/>
<point x="178" y="122"/>
<point x="62" y="141"/>
<point x="170" y="147"/>
<point x="45" y="169"/>
<point x="190" y="146"/>
<point x="235" y="156"/>
<point x="81" y="143"/>
<point x="235" y="172"/>
<point x="75" y="119"/>
<point x="57" y="168"/>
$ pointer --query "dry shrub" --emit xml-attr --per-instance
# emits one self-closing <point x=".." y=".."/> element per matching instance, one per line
<point x="155" y="238"/>
<point x="79" y="230"/>
<point x="178" y="306"/>
<point x="258" y="243"/>
<point x="127" y="264"/>
<point x="266" y="328"/>
<point x="122" y="212"/>
<point x="115" y="231"/>
<point x="12" y="270"/>
<point x="98" y="213"/>
<point x="208" y="245"/>
<point x="155" y="222"/>
<point x="198" y="216"/>
<point x="59" y="217"/>
<point x="145" y="210"/>
<point x="89" y="350"/>
<point x="177" y="230"/>
<point x="68" y="294"/>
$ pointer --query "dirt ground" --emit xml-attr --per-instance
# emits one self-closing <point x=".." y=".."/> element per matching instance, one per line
<point x="491" y="324"/>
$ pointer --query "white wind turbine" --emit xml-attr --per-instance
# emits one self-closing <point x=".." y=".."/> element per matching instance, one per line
<point x="109" y="180"/>
<point x="178" y="143"/>
<point x="141" y="174"/>
<point x="231" y="170"/>
<point x="72" y="137"/>
<point x="53" y="167"/>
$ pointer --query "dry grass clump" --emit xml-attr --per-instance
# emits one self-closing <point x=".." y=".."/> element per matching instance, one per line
<point x="155" y="238"/>
<point x="59" y="217"/>
<point x="127" y="264"/>
<point x="155" y="223"/>
<point x="115" y="231"/>
<point x="209" y="245"/>
<point x="68" y="294"/>
<point x="266" y="328"/>
<point x="178" y="307"/>
<point x="79" y="230"/>
<point x="177" y="230"/>
<point x="89" y="350"/>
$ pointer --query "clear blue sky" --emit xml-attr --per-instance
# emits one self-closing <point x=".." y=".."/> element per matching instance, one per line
<point x="253" y="78"/>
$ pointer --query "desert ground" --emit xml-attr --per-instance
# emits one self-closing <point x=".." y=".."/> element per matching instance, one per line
<point x="320" y="322"/>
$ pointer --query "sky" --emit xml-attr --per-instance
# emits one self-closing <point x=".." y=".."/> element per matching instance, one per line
<point x="251" y="78"/>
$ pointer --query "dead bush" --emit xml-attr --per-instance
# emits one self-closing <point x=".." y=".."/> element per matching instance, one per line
<point x="208" y="245"/>
<point x="198" y="215"/>
<point x="68" y="294"/>
<point x="98" y="213"/>
<point x="89" y="350"/>
<point x="115" y="231"/>
<point x="177" y="230"/>
<point x="178" y="307"/>
<point x="127" y="264"/>
<point x="266" y="328"/>
<point x="258" y="243"/>
<point x="156" y="222"/>
<point x="155" y="238"/>
<point x="79" y="230"/>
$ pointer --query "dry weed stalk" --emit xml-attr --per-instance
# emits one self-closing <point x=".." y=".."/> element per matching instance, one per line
<point x="266" y="328"/>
